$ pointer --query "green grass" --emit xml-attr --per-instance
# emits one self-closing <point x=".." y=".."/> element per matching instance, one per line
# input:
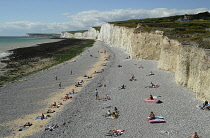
<point x="64" y="55"/>
<point x="74" y="51"/>
<point x="185" y="31"/>
<point x="79" y="31"/>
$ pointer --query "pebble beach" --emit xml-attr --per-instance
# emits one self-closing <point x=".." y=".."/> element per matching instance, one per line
<point x="82" y="115"/>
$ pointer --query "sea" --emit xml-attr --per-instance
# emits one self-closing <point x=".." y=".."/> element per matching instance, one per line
<point x="13" y="42"/>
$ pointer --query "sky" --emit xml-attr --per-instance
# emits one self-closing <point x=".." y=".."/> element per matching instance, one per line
<point x="18" y="17"/>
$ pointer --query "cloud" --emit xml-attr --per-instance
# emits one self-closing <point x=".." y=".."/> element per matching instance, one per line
<point x="84" y="20"/>
<point x="66" y="13"/>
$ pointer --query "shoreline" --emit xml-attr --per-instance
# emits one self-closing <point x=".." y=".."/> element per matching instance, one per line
<point x="27" y="60"/>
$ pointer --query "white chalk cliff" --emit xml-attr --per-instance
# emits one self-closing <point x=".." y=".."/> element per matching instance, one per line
<point x="189" y="63"/>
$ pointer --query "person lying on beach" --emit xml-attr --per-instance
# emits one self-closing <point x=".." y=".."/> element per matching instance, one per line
<point x="89" y="77"/>
<point x="109" y="113"/>
<point x="50" y="111"/>
<point x="51" y="128"/>
<point x="71" y="92"/>
<point x="151" y="73"/>
<point x="78" y="84"/>
<point x="195" y="135"/>
<point x="100" y="85"/>
<point x="97" y="72"/>
<point x="115" y="132"/>
<point x="55" y="105"/>
<point x="119" y="66"/>
<point x="113" y="115"/>
<point x="151" y="116"/>
<point x="115" y="112"/>
<point x="122" y="87"/>
<point x="153" y="86"/>
<point x="28" y="124"/>
<point x="106" y="98"/>
<point x="141" y="67"/>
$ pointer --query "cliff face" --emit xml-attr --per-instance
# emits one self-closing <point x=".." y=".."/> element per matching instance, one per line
<point x="90" y="34"/>
<point x="190" y="64"/>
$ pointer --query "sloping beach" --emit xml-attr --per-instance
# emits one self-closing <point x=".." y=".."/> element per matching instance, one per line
<point x="83" y="116"/>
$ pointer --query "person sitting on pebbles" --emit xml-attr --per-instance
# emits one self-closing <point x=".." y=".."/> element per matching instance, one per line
<point x="151" y="116"/>
<point x="150" y="97"/>
<point x="122" y="87"/>
<point x="195" y="135"/>
<point x="107" y="98"/>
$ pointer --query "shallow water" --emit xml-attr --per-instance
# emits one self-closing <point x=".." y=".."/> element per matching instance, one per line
<point x="12" y="42"/>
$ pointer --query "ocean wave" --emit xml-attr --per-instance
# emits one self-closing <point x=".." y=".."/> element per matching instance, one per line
<point x="4" y="54"/>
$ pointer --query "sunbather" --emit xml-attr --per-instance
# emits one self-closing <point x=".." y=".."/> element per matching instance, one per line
<point x="153" y="85"/>
<point x="42" y="117"/>
<point x="205" y="105"/>
<point x="151" y="97"/>
<point x="106" y="98"/>
<point x="122" y="87"/>
<point x="141" y="67"/>
<point x="51" y="128"/>
<point x="50" y="111"/>
<point x="195" y="135"/>
<point x="28" y="124"/>
<point x="133" y="78"/>
<point x="151" y="116"/>
<point x="89" y="77"/>
<point x="115" y="132"/>
<point x="151" y="73"/>
<point x="78" y="84"/>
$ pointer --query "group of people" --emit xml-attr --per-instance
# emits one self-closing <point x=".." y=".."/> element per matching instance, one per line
<point x="113" y="114"/>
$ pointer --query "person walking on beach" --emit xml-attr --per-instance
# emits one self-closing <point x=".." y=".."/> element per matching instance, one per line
<point x="56" y="78"/>
<point x="60" y="85"/>
<point x="71" y="72"/>
<point x="96" y="93"/>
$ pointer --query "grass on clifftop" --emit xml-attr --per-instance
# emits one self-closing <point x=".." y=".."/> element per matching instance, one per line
<point x="191" y="29"/>
<point x="29" y="60"/>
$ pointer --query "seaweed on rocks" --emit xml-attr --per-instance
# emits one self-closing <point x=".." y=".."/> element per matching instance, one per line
<point x="28" y="60"/>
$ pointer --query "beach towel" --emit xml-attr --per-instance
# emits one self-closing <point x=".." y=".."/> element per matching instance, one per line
<point x="23" y="128"/>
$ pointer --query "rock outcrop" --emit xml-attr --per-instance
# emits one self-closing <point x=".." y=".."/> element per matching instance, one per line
<point x="189" y="63"/>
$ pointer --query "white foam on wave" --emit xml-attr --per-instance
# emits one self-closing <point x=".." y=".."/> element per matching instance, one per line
<point x="4" y="54"/>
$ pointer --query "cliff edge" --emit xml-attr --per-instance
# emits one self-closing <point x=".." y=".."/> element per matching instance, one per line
<point x="189" y="63"/>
